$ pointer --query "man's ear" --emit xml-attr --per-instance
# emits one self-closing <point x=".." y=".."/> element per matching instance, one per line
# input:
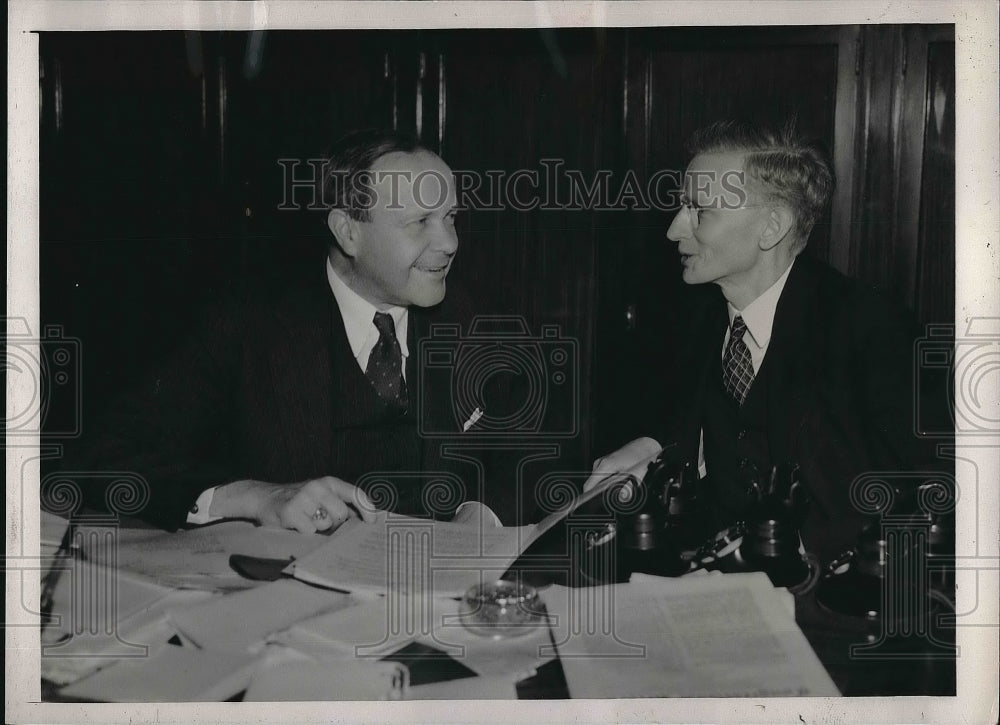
<point x="345" y="231"/>
<point x="777" y="227"/>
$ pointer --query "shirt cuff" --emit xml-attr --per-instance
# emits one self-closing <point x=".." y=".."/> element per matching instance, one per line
<point x="198" y="513"/>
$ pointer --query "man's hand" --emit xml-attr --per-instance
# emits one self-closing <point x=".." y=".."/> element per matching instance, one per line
<point x="627" y="457"/>
<point x="321" y="504"/>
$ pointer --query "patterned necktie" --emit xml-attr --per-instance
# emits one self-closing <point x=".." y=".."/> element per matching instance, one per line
<point x="385" y="364"/>
<point x="737" y="367"/>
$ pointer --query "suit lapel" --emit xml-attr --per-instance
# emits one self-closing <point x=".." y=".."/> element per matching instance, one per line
<point x="300" y="361"/>
<point x="792" y="362"/>
<point x="706" y="352"/>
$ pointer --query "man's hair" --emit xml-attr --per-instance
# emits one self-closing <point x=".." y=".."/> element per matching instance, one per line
<point x="347" y="181"/>
<point x="788" y="167"/>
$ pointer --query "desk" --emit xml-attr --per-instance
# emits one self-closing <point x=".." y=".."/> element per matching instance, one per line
<point x="831" y="636"/>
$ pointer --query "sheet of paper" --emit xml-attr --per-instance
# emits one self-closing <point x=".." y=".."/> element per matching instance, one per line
<point x="467" y="688"/>
<point x="297" y="679"/>
<point x="103" y="616"/>
<point x="727" y="636"/>
<point x="668" y="584"/>
<point x="638" y="471"/>
<point x="199" y="558"/>
<point x="412" y="556"/>
<point x="398" y="553"/>
<point x="173" y="674"/>
<point x="366" y="631"/>
<point x="51" y="531"/>
<point x="238" y="621"/>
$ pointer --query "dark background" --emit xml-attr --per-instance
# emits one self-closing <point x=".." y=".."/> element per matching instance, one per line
<point x="160" y="182"/>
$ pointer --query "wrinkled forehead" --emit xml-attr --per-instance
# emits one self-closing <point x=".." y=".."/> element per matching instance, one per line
<point x="420" y="179"/>
<point x="710" y="176"/>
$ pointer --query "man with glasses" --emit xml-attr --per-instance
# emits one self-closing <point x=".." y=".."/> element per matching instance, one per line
<point x="792" y="363"/>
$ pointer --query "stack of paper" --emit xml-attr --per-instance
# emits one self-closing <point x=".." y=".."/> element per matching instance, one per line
<point x="102" y="617"/>
<point x="241" y="621"/>
<point x="722" y="636"/>
<point x="285" y="675"/>
<point x="172" y="674"/>
<point x="412" y="556"/>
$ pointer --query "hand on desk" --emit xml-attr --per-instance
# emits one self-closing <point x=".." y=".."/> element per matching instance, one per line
<point x="321" y="504"/>
<point x="628" y="456"/>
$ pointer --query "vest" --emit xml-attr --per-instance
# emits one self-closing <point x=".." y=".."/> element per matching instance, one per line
<point x="736" y="443"/>
<point x="368" y="437"/>
<point x="363" y="439"/>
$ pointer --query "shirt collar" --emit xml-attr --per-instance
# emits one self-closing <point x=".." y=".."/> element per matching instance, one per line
<point x="359" y="315"/>
<point x="759" y="314"/>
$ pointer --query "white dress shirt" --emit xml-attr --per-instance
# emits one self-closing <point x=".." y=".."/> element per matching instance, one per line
<point x="359" y="320"/>
<point x="759" y="319"/>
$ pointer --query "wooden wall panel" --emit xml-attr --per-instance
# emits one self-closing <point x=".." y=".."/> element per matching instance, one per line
<point x="550" y="98"/>
<point x="936" y="266"/>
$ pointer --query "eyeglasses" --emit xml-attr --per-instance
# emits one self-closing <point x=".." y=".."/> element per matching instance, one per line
<point x="694" y="211"/>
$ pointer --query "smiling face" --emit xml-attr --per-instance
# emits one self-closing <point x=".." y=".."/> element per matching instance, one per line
<point x="402" y="255"/>
<point x="718" y="234"/>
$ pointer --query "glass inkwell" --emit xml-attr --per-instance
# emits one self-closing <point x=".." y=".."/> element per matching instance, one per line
<point x="502" y="609"/>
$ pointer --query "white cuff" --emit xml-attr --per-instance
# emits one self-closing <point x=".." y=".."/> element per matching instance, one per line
<point x="198" y="514"/>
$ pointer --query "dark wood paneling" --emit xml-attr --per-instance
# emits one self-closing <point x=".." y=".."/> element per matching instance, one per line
<point x="875" y="247"/>
<point x="127" y="186"/>
<point x="550" y="95"/>
<point x="936" y="267"/>
<point x="892" y="247"/>
<point x="276" y="111"/>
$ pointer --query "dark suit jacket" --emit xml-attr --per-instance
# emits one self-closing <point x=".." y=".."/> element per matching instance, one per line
<point x="840" y="393"/>
<point x="267" y="389"/>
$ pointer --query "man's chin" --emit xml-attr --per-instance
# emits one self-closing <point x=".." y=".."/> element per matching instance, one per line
<point x="691" y="277"/>
<point x="429" y="297"/>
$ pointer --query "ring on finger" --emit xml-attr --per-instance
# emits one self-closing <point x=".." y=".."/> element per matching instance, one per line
<point x="320" y="514"/>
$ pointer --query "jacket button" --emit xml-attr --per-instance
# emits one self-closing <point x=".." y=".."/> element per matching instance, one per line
<point x="742" y="434"/>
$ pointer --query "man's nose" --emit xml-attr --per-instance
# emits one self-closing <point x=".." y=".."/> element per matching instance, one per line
<point x="446" y="239"/>
<point x="680" y="227"/>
